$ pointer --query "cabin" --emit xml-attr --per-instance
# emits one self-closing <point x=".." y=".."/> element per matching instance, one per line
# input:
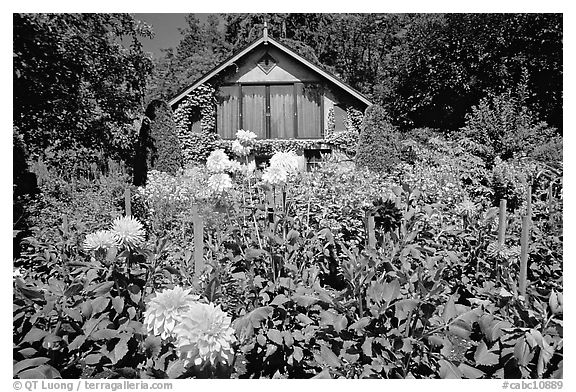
<point x="271" y="90"/>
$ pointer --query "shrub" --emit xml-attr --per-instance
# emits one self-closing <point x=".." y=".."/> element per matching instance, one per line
<point x="168" y="156"/>
<point x="378" y="145"/>
<point x="503" y="126"/>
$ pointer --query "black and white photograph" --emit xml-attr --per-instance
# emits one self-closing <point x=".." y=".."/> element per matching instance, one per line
<point x="328" y="195"/>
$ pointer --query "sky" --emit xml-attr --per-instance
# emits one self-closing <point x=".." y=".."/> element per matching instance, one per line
<point x="166" y="33"/>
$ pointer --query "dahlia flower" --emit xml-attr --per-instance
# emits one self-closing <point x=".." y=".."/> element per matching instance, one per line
<point x="287" y="161"/>
<point x="249" y="169"/>
<point x="128" y="231"/>
<point x="219" y="182"/>
<point x="204" y="334"/>
<point x="274" y="175"/>
<point x="246" y="138"/>
<point x="239" y="149"/>
<point x="217" y="161"/>
<point x="467" y="208"/>
<point x="164" y="311"/>
<point x="100" y="240"/>
<point x="502" y="251"/>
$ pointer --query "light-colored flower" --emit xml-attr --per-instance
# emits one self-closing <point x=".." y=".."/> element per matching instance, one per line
<point x="239" y="149"/>
<point x="274" y="175"/>
<point x="164" y="312"/>
<point x="128" y="231"/>
<point x="286" y="160"/>
<point x="218" y="161"/>
<point x="249" y="169"/>
<point x="467" y="208"/>
<point x="219" y="182"/>
<point x="235" y="167"/>
<point x="246" y="138"/>
<point x="100" y="240"/>
<point x="502" y="251"/>
<point x="205" y="334"/>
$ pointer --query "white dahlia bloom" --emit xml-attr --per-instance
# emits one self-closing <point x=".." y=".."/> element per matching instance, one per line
<point x="128" y="231"/>
<point x="246" y="138"/>
<point x="467" y="208"/>
<point x="285" y="160"/>
<point x="249" y="169"/>
<point x="100" y="240"/>
<point x="205" y="334"/>
<point x="274" y="175"/>
<point x="164" y="311"/>
<point x="239" y="149"/>
<point x="218" y="161"/>
<point x="219" y="182"/>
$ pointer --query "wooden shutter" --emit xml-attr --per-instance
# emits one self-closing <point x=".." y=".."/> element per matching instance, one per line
<point x="309" y="111"/>
<point x="254" y="110"/>
<point x="227" y="111"/>
<point x="282" y="111"/>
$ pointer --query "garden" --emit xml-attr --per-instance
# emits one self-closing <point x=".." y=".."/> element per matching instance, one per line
<point x="405" y="254"/>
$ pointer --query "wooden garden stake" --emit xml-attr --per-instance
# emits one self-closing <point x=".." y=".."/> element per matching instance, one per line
<point x="550" y="205"/>
<point x="371" y="233"/>
<point x="502" y="222"/>
<point x="529" y="202"/>
<point x="198" y="241"/>
<point x="524" y="242"/>
<point x="127" y="206"/>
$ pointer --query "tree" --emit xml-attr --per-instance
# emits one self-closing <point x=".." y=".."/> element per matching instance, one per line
<point x="445" y="63"/>
<point x="200" y="49"/>
<point x="78" y="79"/>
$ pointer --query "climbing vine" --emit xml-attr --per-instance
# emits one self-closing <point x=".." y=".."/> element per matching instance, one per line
<point x="199" y="105"/>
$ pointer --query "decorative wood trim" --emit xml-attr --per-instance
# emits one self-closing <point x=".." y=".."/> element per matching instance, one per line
<point x="322" y="112"/>
<point x="267" y="111"/>
<point x="295" y="92"/>
<point x="240" y="107"/>
<point x="284" y="49"/>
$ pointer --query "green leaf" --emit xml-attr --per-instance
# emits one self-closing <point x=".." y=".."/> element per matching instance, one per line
<point x="304" y="319"/>
<point x="28" y="363"/>
<point x="360" y="324"/>
<point x="522" y="352"/>
<point x="483" y="356"/>
<point x="77" y="343"/>
<point x="73" y="290"/>
<point x="259" y="314"/>
<point x="44" y="371"/>
<point x="305" y="300"/>
<point x="104" y="334"/>
<point x="93" y="359"/>
<point x="118" y="304"/>
<point x="99" y="304"/>
<point x="329" y="357"/>
<point x="449" y="311"/>
<point x="279" y="300"/>
<point x="175" y="369"/>
<point x="275" y="336"/>
<point x="448" y="370"/>
<point x="34" y="335"/>
<point x="288" y="339"/>
<point x="261" y="339"/>
<point x="469" y="372"/>
<point x="324" y="374"/>
<point x="120" y="349"/>
<point x="367" y="347"/>
<point x="460" y="328"/>
<point x="298" y="354"/>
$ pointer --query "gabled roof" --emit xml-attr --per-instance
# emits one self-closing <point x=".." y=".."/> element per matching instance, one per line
<point x="263" y="40"/>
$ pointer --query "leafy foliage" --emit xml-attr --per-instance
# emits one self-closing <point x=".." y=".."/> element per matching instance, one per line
<point x="75" y="85"/>
<point x="378" y="145"/>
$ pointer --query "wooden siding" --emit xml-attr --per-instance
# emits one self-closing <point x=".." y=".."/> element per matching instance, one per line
<point x="254" y="110"/>
<point x="282" y="111"/>
<point x="310" y="116"/>
<point x="227" y="111"/>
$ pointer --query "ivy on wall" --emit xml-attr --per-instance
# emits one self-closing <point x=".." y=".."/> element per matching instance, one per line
<point x="200" y="105"/>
